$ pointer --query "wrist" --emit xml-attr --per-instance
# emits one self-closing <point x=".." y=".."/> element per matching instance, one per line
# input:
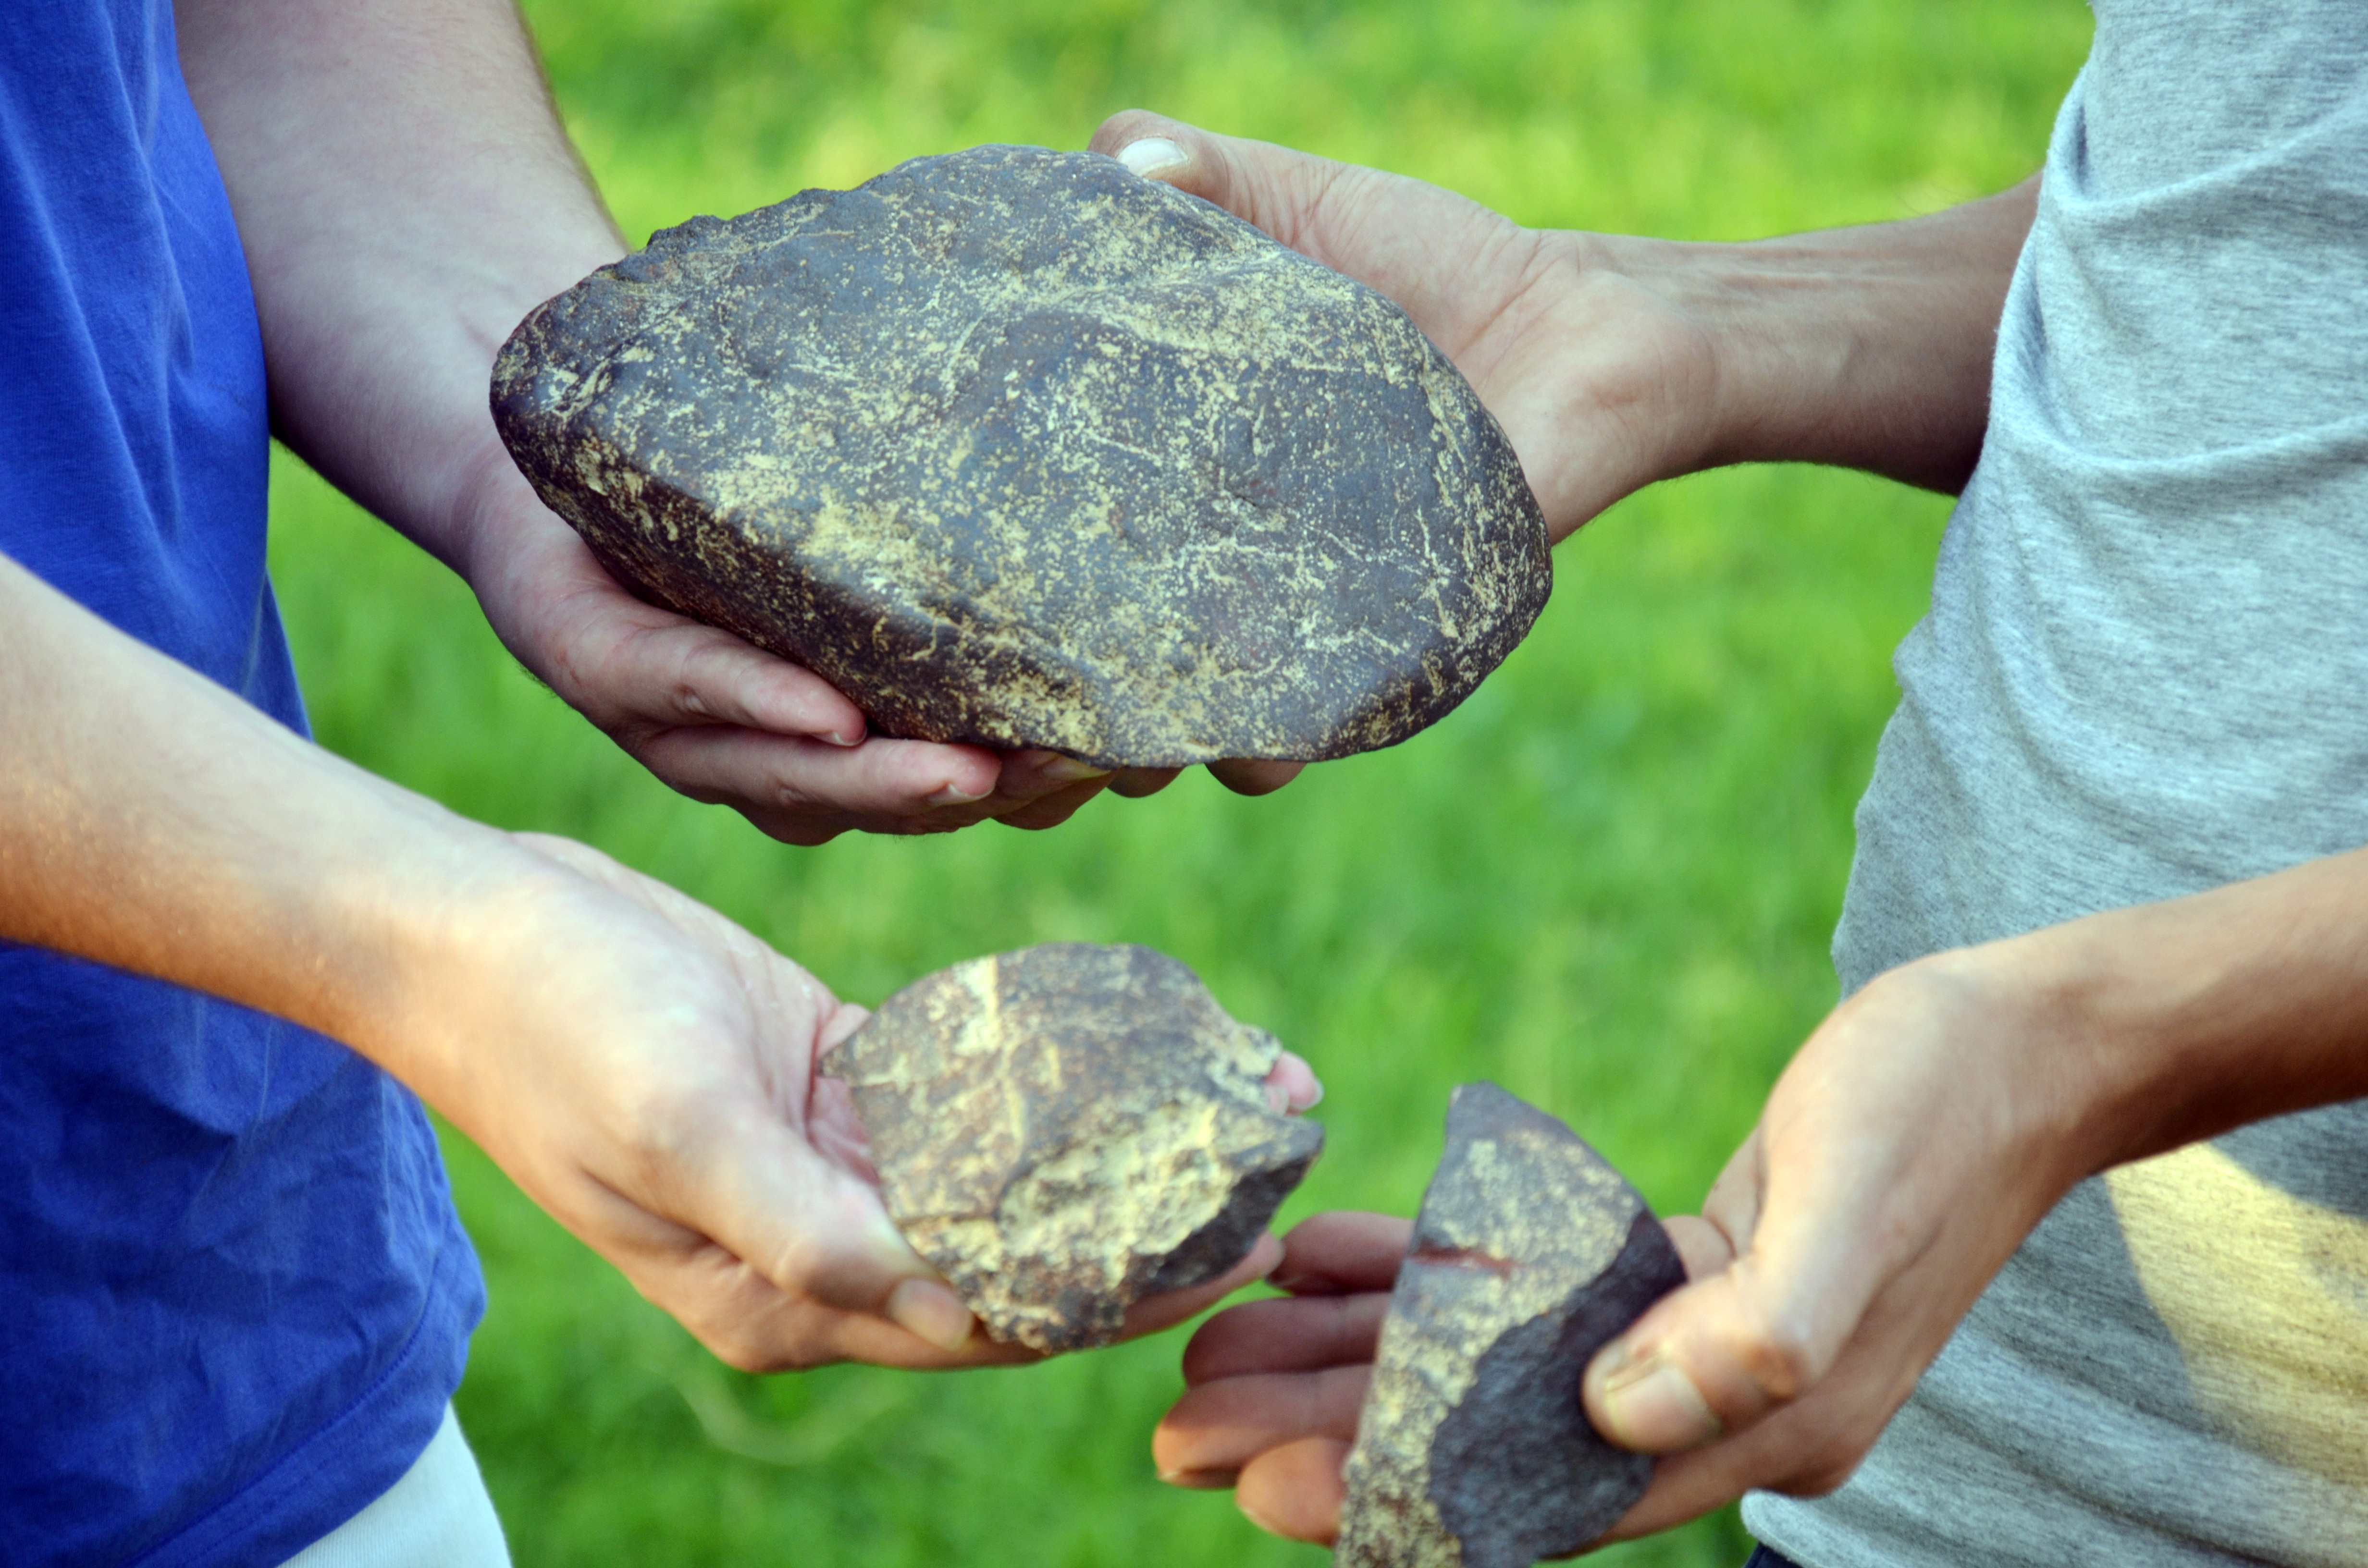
<point x="2074" y="996"/>
<point x="1590" y="359"/>
<point x="1865" y="348"/>
<point x="1762" y="358"/>
<point x="494" y="511"/>
<point x="440" y="948"/>
<point x="2073" y="1083"/>
<point x="2160" y="1023"/>
<point x="1695" y="407"/>
<point x="2027" y="1077"/>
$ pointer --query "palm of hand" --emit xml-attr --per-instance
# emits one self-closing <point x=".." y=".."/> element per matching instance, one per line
<point x="727" y="723"/>
<point x="655" y="1090"/>
<point x="718" y="719"/>
<point x="654" y="1085"/>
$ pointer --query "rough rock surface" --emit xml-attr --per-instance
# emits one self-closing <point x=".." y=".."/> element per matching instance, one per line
<point x="1064" y="1129"/>
<point x="1528" y="1256"/>
<point x="1016" y="447"/>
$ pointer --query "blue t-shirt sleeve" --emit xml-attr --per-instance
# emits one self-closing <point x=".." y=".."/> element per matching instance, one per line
<point x="237" y="1293"/>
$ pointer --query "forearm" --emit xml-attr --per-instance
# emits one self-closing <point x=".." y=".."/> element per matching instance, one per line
<point x="641" y="1067"/>
<point x="405" y="197"/>
<point x="1865" y="348"/>
<point x="151" y="821"/>
<point x="2180" y="1020"/>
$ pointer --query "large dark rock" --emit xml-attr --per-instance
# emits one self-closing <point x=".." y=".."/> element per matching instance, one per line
<point x="1064" y="1129"/>
<point x="1529" y="1254"/>
<point x="1016" y="447"/>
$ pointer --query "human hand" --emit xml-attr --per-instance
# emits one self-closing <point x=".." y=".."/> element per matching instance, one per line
<point x="1923" y="1129"/>
<point x="641" y="1067"/>
<point x="1273" y="1387"/>
<point x="1612" y="360"/>
<point x="645" y="1071"/>
<point x="723" y="720"/>
<point x="1915" y="1139"/>
<point x="1601" y="379"/>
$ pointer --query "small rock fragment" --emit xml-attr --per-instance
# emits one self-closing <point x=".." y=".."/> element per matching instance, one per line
<point x="1529" y="1254"/>
<point x="1068" y="1129"/>
<point x="1015" y="448"/>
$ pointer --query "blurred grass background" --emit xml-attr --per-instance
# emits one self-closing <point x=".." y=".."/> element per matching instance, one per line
<point x="1607" y="882"/>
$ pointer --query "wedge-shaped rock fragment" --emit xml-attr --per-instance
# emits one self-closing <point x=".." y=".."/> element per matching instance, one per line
<point x="1064" y="1129"/>
<point x="1529" y="1254"/>
<point x="1016" y="447"/>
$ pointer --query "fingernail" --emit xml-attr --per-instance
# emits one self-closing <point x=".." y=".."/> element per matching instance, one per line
<point x="1291" y="1086"/>
<point x="1200" y="1480"/>
<point x="1283" y="1102"/>
<point x="929" y="1310"/>
<point x="1069" y="770"/>
<point x="1267" y="1274"/>
<point x="842" y="738"/>
<point x="952" y="795"/>
<point x="1253" y="1516"/>
<point x="1153" y="155"/>
<point x="888" y="1243"/>
<point x="1652" y="1405"/>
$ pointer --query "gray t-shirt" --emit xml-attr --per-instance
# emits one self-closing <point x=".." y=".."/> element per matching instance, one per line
<point x="2144" y="674"/>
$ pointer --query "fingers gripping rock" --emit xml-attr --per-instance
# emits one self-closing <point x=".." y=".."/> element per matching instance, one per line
<point x="1017" y="448"/>
<point x="1529" y="1253"/>
<point x="1068" y="1129"/>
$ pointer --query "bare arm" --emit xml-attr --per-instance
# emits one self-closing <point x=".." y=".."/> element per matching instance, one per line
<point x="643" y="1068"/>
<point x="406" y="196"/>
<point x="1932" y="1121"/>
<point x="1935" y="1116"/>
<point x="1919" y="1135"/>
<point x="1866" y="348"/>
<point x="1613" y="361"/>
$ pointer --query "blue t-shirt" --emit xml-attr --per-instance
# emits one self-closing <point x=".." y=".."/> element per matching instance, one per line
<point x="234" y="1296"/>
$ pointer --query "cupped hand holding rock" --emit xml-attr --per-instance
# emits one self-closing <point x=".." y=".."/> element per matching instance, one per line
<point x="721" y="719"/>
<point x="655" y="1087"/>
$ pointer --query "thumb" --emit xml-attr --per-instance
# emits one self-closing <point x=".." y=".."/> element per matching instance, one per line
<point x="1724" y="1352"/>
<point x="819" y="1232"/>
<point x="1276" y="189"/>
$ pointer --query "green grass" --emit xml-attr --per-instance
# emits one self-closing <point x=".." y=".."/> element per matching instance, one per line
<point x="1607" y="882"/>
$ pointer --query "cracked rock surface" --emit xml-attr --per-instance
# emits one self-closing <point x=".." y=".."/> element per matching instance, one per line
<point x="1016" y="447"/>
<point x="1529" y="1254"/>
<point x="1064" y="1129"/>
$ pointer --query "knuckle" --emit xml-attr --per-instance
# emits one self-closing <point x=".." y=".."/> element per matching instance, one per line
<point x="746" y="1352"/>
<point x="922" y="826"/>
<point x="669" y="1133"/>
<point x="805" y="832"/>
<point x="1115" y="131"/>
<point x="1776" y="1354"/>
<point x="792" y="796"/>
<point x="801" y="1261"/>
<point x="737" y="1353"/>
<point x="1828" y="1469"/>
